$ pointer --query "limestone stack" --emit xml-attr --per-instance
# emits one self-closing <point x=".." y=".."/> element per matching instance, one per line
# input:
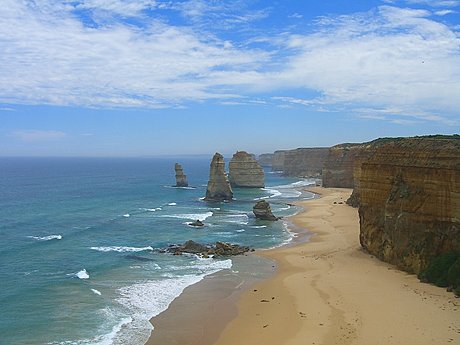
<point x="244" y="171"/>
<point x="262" y="210"/>
<point x="409" y="205"/>
<point x="181" y="178"/>
<point x="218" y="186"/>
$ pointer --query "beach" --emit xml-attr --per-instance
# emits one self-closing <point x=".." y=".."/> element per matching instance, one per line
<point x="329" y="291"/>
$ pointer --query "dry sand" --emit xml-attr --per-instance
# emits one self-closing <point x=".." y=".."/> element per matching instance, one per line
<point x="328" y="291"/>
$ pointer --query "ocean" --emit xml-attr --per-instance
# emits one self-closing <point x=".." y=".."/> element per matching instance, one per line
<point x="80" y="238"/>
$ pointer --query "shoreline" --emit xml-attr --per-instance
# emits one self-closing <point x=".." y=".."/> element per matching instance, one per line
<point x="329" y="291"/>
<point x="326" y="290"/>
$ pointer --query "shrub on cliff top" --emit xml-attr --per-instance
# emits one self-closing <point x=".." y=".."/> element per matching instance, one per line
<point x="443" y="271"/>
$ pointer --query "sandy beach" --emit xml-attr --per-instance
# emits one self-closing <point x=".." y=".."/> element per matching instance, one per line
<point x="325" y="291"/>
<point x="328" y="291"/>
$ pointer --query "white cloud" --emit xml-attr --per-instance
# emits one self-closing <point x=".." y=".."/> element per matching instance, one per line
<point x="33" y="135"/>
<point x="388" y="58"/>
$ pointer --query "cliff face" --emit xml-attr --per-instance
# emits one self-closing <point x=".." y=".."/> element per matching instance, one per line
<point x="278" y="160"/>
<point x="265" y="159"/>
<point x="218" y="186"/>
<point x="340" y="165"/>
<point x="181" y="178"/>
<point x="244" y="171"/>
<point x="304" y="162"/>
<point x="409" y="205"/>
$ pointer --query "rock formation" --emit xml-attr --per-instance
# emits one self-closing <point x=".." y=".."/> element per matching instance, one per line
<point x="262" y="210"/>
<point x="265" y="159"/>
<point x="409" y="205"/>
<point x="278" y="160"/>
<point x="218" y="186"/>
<point x="244" y="171"/>
<point x="216" y="250"/>
<point x="181" y="178"/>
<point x="301" y="162"/>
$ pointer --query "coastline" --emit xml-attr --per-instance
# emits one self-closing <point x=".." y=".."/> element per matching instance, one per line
<point x="328" y="291"/>
<point x="324" y="291"/>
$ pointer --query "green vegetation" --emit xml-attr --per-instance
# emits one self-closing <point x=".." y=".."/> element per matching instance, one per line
<point x="444" y="271"/>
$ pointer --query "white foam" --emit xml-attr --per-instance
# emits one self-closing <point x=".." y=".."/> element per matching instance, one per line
<point x="240" y="230"/>
<point x="258" y="226"/>
<point x="147" y="299"/>
<point x="127" y="215"/>
<point x="82" y="274"/>
<point x="97" y="292"/>
<point x="46" y="238"/>
<point x="121" y="249"/>
<point x="192" y="216"/>
<point x="172" y="204"/>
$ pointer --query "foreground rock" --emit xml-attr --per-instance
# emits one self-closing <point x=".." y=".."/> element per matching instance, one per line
<point x="245" y="172"/>
<point x="181" y="178"/>
<point x="218" y="186"/>
<point x="262" y="210"/>
<point x="409" y="204"/>
<point x="216" y="250"/>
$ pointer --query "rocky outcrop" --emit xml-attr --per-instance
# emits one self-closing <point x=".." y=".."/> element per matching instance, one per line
<point x="244" y="171"/>
<point x="409" y="200"/>
<point x="218" y="186"/>
<point x="265" y="159"/>
<point x="216" y="250"/>
<point x="263" y="211"/>
<point x="181" y="178"/>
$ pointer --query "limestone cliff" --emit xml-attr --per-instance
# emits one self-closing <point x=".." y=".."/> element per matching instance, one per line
<point x="181" y="178"/>
<point x="265" y="159"/>
<point x="409" y="204"/>
<point x="339" y="165"/>
<point x="244" y="171"/>
<point x="305" y="162"/>
<point x="278" y="160"/>
<point x="218" y="186"/>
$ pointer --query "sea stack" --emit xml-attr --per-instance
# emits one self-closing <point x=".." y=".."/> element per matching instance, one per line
<point x="244" y="171"/>
<point x="218" y="186"/>
<point x="181" y="178"/>
<point x="262" y="210"/>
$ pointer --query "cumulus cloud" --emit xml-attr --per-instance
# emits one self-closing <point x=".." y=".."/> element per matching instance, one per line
<point x="388" y="58"/>
<point x="34" y="135"/>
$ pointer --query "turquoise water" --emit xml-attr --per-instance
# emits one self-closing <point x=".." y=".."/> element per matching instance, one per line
<point x="79" y="239"/>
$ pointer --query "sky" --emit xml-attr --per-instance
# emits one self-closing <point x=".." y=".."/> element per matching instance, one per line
<point x="153" y="77"/>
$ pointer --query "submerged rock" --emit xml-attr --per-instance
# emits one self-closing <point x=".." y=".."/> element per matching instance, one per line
<point x="218" y="186"/>
<point x="198" y="223"/>
<point x="262" y="210"/>
<point x="244" y="171"/>
<point x="181" y="178"/>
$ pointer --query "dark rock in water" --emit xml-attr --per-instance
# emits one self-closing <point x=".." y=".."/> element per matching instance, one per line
<point x="138" y="258"/>
<point x="218" y="186"/>
<point x="216" y="250"/>
<point x="181" y="178"/>
<point x="198" y="223"/>
<point x="263" y="211"/>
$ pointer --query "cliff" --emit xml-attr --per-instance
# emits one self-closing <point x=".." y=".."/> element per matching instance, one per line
<point x="244" y="171"/>
<point x="265" y="159"/>
<point x="340" y="164"/>
<point x="218" y="186"/>
<point x="305" y="162"/>
<point x="181" y="178"/>
<point x="278" y="160"/>
<point x="409" y="204"/>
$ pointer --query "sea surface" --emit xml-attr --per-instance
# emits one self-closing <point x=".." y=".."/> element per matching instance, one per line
<point x="80" y="239"/>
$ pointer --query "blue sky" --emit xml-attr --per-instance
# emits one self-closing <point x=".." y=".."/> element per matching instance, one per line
<point x="151" y="77"/>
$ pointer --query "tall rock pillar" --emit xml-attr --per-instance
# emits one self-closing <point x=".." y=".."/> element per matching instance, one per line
<point x="181" y="178"/>
<point x="218" y="186"/>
